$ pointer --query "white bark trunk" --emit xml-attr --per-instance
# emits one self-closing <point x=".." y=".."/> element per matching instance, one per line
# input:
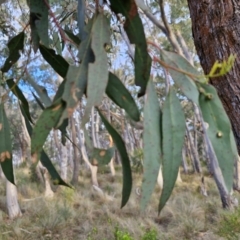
<point x="64" y="162"/>
<point x="48" y="190"/>
<point x="12" y="201"/>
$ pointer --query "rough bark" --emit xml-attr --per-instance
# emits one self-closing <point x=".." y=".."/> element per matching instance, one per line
<point x="216" y="33"/>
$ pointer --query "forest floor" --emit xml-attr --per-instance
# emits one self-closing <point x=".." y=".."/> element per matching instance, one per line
<point x="84" y="214"/>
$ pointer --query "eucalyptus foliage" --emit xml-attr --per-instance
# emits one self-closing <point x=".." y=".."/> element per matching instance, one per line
<point x="89" y="76"/>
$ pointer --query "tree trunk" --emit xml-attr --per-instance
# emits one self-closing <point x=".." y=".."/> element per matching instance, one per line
<point x="76" y="163"/>
<point x="12" y="201"/>
<point x="216" y="33"/>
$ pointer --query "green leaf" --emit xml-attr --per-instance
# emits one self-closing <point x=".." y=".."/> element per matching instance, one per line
<point x="76" y="79"/>
<point x="57" y="62"/>
<point x="39" y="22"/>
<point x="135" y="31"/>
<point x="118" y="93"/>
<point x="102" y="156"/>
<point x="38" y="101"/>
<point x="5" y="146"/>
<point x="98" y="71"/>
<point x="56" y="43"/>
<point x="185" y="83"/>
<point x="73" y="37"/>
<point x="127" y="173"/>
<point x="46" y="162"/>
<point x="151" y="143"/>
<point x="41" y="91"/>
<point x="219" y="132"/>
<point x="18" y="93"/>
<point x="15" y="45"/>
<point x="173" y="131"/>
<point x="48" y="120"/>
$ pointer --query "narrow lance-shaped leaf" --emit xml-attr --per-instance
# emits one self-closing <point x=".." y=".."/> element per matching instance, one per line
<point x="185" y="83"/>
<point x="173" y="132"/>
<point x="56" y="43"/>
<point x="134" y="29"/>
<point x="44" y="157"/>
<point x="219" y="131"/>
<point x="15" y="45"/>
<point x="98" y="70"/>
<point x="73" y="37"/>
<point x="5" y="146"/>
<point x="18" y="93"/>
<point x="118" y="93"/>
<point x="39" y="22"/>
<point x="151" y="143"/>
<point x="48" y="120"/>
<point x="127" y="173"/>
<point x="76" y="79"/>
<point x="57" y="62"/>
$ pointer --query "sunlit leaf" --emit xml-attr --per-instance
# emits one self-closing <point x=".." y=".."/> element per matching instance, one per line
<point x="98" y="70"/>
<point x="219" y="132"/>
<point x="5" y="146"/>
<point x="135" y="32"/>
<point x="173" y="132"/>
<point x="151" y="143"/>
<point x="126" y="168"/>
<point x="15" y="45"/>
<point x="118" y="93"/>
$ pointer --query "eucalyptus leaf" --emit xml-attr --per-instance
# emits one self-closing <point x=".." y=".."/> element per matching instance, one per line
<point x="151" y="144"/>
<point x="173" y="132"/>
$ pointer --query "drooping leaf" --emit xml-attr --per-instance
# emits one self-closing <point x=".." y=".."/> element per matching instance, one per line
<point x="57" y="62"/>
<point x="76" y="79"/>
<point x="38" y="22"/>
<point x="56" y="43"/>
<point x="185" y="83"/>
<point x="41" y="91"/>
<point x="73" y="37"/>
<point x="98" y="70"/>
<point x="118" y="93"/>
<point x="18" y="93"/>
<point x="38" y="101"/>
<point x="151" y="144"/>
<point x="180" y="63"/>
<point x="5" y="146"/>
<point x="126" y="168"/>
<point x="46" y="162"/>
<point x="48" y="120"/>
<point x="102" y="156"/>
<point x="15" y="45"/>
<point x="134" y="29"/>
<point x="173" y="132"/>
<point x="219" y="131"/>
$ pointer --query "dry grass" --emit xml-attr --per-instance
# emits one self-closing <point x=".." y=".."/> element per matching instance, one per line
<point x="84" y="214"/>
